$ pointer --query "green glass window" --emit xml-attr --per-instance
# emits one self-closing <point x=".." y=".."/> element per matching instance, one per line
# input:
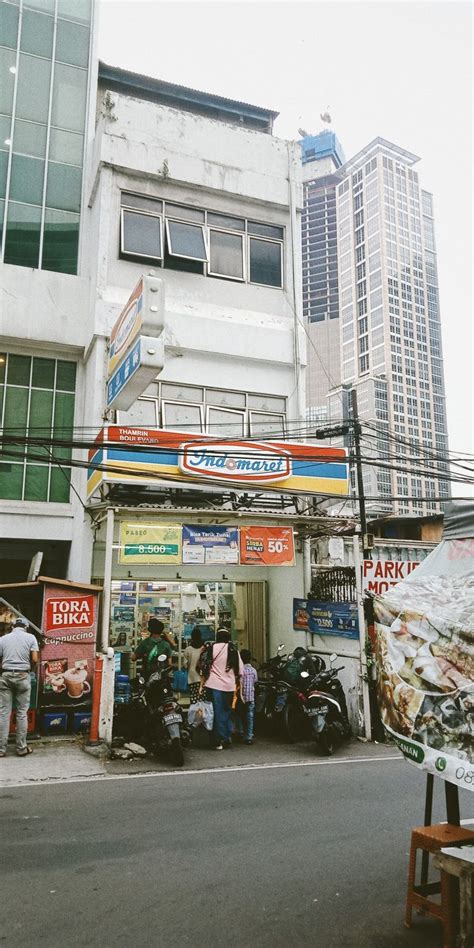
<point x="43" y="373"/>
<point x="32" y="99"/>
<point x="11" y="481"/>
<point x="72" y="43"/>
<point x="7" y="85"/>
<point x="2" y="213"/>
<point x="66" y="147"/>
<point x="19" y="368"/>
<point x="36" y="482"/>
<point x="61" y="241"/>
<point x="23" y="235"/>
<point x="47" y="6"/>
<point x="3" y="172"/>
<point x="60" y="484"/>
<point x="66" y="376"/>
<point x="75" y="10"/>
<point x="69" y="98"/>
<point x="26" y="182"/>
<point x="37" y="410"/>
<point x="64" y="187"/>
<point x="9" y="16"/>
<point x="5" y="127"/>
<point x="37" y="33"/>
<point x="29" y="139"/>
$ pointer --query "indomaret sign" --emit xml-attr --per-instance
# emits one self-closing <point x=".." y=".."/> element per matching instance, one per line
<point x="136" y="350"/>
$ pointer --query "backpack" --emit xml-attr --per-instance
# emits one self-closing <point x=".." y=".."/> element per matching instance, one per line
<point x="204" y="663"/>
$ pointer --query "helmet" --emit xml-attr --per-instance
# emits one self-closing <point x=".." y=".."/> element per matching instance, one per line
<point x="21" y="621"/>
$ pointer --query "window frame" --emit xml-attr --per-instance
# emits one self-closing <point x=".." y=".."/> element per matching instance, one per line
<point x="243" y="412"/>
<point x="182" y="256"/>
<point x="232" y="233"/>
<point x="161" y="412"/>
<point x="131" y="253"/>
<point x="267" y="240"/>
<point x="255" y="411"/>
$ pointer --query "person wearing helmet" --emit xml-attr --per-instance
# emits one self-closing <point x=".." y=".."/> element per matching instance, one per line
<point x="19" y="653"/>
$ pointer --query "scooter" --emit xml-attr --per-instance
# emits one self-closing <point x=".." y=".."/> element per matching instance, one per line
<point x="266" y="690"/>
<point x="164" y="726"/>
<point x="326" y="709"/>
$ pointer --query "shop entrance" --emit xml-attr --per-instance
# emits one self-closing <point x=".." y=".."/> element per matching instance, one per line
<point x="182" y="605"/>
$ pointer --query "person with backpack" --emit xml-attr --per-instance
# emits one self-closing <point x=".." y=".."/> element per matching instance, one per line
<point x="149" y="650"/>
<point x="221" y="667"/>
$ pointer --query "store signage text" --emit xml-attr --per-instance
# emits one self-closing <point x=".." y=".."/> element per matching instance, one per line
<point x="68" y="613"/>
<point x="235" y="461"/>
<point x="379" y="575"/>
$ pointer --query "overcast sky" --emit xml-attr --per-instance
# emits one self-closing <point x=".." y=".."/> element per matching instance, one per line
<point x="402" y="70"/>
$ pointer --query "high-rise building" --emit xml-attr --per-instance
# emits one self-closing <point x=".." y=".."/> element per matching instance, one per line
<point x="390" y="333"/>
<point x="321" y="156"/>
<point x="44" y="64"/>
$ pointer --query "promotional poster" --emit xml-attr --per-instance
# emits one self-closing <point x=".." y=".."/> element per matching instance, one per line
<point x="67" y="657"/>
<point x="210" y="544"/>
<point x="267" y="546"/>
<point x="326" y="618"/>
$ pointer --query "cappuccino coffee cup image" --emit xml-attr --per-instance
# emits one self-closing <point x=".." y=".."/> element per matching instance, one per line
<point x="76" y="683"/>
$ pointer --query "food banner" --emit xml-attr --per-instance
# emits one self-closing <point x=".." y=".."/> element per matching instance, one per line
<point x="210" y="544"/>
<point x="424" y="643"/>
<point x="326" y="618"/>
<point x="267" y="546"/>
<point x="67" y="656"/>
<point x="149" y="543"/>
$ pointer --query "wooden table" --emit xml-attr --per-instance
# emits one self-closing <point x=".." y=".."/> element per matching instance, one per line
<point x="459" y="861"/>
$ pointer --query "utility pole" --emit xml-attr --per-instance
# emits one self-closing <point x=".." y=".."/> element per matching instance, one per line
<point x="360" y="481"/>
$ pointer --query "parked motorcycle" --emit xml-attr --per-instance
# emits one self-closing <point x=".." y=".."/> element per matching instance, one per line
<point x="326" y="708"/>
<point x="163" y="721"/>
<point x="266" y="690"/>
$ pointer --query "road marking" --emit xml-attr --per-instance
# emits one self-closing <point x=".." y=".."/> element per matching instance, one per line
<point x="245" y="768"/>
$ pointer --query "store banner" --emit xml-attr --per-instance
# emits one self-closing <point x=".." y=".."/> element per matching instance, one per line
<point x="210" y="545"/>
<point x="267" y="546"/>
<point x="67" y="657"/>
<point x="424" y="646"/>
<point x="326" y="618"/>
<point x="380" y="575"/>
<point x="148" y="456"/>
<point x="148" y="543"/>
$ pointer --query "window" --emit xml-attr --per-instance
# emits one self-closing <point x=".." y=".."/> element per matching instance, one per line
<point x="226" y="255"/>
<point x="265" y="263"/>
<point x="204" y="242"/>
<point x="223" y="413"/>
<point x="141" y="235"/>
<point x="37" y="398"/>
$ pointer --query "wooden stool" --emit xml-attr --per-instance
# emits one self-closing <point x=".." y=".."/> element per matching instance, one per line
<point x="431" y="839"/>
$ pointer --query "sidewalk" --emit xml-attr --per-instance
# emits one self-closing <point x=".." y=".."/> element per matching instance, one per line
<point x="65" y="759"/>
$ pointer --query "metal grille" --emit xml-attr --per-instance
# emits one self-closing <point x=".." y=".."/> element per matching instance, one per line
<point x="334" y="584"/>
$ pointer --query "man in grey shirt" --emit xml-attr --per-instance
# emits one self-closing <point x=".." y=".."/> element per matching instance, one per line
<point x="19" y="652"/>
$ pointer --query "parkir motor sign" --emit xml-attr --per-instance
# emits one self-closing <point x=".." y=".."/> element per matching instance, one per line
<point x="380" y="575"/>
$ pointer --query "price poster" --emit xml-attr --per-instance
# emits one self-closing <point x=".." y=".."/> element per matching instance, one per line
<point x="148" y="543"/>
<point x="267" y="546"/>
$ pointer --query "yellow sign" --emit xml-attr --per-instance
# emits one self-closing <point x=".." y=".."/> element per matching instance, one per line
<point x="148" y="543"/>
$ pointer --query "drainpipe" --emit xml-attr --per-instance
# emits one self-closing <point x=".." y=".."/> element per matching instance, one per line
<point x="295" y="266"/>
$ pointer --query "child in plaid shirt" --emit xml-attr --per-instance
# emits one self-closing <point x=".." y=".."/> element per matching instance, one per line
<point x="248" y="680"/>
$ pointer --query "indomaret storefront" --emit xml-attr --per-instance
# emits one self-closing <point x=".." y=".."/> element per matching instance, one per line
<point x="204" y="531"/>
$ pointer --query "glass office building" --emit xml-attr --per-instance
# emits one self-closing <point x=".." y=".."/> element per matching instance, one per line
<point x="44" y="68"/>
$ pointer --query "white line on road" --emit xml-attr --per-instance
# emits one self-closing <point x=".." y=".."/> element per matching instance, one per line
<point x="246" y="768"/>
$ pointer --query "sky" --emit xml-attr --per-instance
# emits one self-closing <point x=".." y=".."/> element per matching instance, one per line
<point x="401" y="70"/>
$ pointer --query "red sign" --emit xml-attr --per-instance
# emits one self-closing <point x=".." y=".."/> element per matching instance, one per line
<point x="69" y="613"/>
<point x="67" y="656"/>
<point x="379" y="575"/>
<point x="267" y="546"/>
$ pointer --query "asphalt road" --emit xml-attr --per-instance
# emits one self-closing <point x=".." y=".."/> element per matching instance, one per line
<point x="267" y="857"/>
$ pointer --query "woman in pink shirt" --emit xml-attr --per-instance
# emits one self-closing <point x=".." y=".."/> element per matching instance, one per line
<point x="223" y="681"/>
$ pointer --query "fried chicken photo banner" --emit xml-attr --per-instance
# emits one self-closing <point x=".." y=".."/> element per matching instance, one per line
<point x="424" y="645"/>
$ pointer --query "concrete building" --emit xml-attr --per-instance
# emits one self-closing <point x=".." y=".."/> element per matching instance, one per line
<point x="46" y="317"/>
<point x="321" y="157"/>
<point x="389" y="331"/>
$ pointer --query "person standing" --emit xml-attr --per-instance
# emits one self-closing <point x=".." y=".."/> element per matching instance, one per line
<point x="192" y="655"/>
<point x="249" y="679"/>
<point x="223" y="681"/>
<point x="19" y="655"/>
<point x="155" y="645"/>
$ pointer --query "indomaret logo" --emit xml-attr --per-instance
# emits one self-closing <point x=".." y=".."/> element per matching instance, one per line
<point x="235" y="461"/>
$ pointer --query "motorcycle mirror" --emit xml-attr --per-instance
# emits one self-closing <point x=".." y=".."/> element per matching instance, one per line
<point x="162" y="658"/>
<point x="304" y="674"/>
<point x="333" y="657"/>
<point x="281" y="648"/>
<point x="141" y="681"/>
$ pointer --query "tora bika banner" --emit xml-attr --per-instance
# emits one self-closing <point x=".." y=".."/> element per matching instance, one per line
<point x="424" y="644"/>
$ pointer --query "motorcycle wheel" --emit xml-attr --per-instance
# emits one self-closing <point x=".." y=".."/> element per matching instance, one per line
<point x="177" y="755"/>
<point x="292" y="723"/>
<point x="328" y="742"/>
